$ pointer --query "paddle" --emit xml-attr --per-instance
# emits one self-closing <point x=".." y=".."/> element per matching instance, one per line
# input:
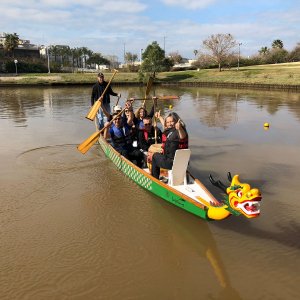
<point x="160" y="98"/>
<point x="93" y="111"/>
<point x="154" y="122"/>
<point x="148" y="88"/>
<point x="118" y="100"/>
<point x="91" y="140"/>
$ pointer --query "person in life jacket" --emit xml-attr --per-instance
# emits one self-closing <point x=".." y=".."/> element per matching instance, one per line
<point x="149" y="135"/>
<point x="119" y="132"/>
<point x="174" y="137"/>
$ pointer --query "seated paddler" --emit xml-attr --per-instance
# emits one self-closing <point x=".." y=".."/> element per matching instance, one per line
<point x="174" y="137"/>
<point x="119" y="132"/>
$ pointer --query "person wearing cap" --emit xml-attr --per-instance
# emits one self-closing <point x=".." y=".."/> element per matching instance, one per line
<point x="116" y="110"/>
<point x="97" y="91"/>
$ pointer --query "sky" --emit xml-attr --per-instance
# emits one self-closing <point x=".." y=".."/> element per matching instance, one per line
<point x="117" y="26"/>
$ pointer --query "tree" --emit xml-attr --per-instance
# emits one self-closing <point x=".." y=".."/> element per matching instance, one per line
<point x="277" y="55"/>
<point x="295" y="53"/>
<point x="97" y="58"/>
<point x="85" y="53"/>
<point x="11" y="42"/>
<point x="54" y="51"/>
<point x="263" y="50"/>
<point x="195" y="53"/>
<point x="130" y="58"/>
<point x="220" y="45"/>
<point x="175" y="57"/>
<point x="154" y="59"/>
<point x="277" y="44"/>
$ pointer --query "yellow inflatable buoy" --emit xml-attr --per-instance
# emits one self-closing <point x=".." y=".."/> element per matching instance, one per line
<point x="170" y="106"/>
<point x="266" y="125"/>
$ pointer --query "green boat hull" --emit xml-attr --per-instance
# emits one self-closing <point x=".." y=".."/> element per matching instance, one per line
<point x="148" y="182"/>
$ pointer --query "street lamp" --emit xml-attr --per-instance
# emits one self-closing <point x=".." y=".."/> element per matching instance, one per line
<point x="16" y="62"/>
<point x="239" y="56"/>
<point x="48" y="59"/>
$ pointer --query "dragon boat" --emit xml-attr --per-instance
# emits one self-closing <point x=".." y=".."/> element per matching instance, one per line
<point x="187" y="192"/>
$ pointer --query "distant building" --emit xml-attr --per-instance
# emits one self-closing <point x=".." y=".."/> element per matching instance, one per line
<point x="24" y="49"/>
<point x="185" y="64"/>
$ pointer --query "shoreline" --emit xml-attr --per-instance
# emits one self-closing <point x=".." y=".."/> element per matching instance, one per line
<point x="236" y="85"/>
<point x="265" y="77"/>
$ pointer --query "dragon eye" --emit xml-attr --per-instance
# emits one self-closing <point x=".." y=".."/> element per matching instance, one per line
<point x="240" y="194"/>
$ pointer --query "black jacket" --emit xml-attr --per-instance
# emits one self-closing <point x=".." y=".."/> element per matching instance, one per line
<point x="144" y="143"/>
<point x="97" y="91"/>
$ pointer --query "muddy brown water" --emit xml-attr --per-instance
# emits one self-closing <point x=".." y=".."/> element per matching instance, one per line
<point x="73" y="227"/>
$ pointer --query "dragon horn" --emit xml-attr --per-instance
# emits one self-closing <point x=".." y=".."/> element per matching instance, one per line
<point x="218" y="183"/>
<point x="229" y="176"/>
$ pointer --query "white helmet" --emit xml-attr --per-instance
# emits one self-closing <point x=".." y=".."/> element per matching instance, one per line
<point x="117" y="108"/>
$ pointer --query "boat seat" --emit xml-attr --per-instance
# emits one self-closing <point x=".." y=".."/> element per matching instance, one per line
<point x="177" y="175"/>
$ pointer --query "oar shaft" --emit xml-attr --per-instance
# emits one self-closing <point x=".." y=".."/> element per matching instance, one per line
<point x="159" y="98"/>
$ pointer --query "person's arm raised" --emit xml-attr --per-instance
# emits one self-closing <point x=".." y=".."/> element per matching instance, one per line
<point x="181" y="131"/>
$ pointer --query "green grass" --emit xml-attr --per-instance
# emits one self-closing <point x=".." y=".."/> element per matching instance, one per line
<point x="277" y="74"/>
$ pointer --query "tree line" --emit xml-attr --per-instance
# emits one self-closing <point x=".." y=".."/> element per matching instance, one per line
<point x="217" y="51"/>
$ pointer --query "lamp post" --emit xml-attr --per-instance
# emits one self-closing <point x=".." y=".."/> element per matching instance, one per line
<point x="141" y="55"/>
<point x="48" y="59"/>
<point x="239" y="56"/>
<point x="124" y="53"/>
<point x="16" y="62"/>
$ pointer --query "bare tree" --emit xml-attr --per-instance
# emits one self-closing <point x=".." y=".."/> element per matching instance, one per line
<point x="220" y="45"/>
<point x="130" y="58"/>
<point x="175" y="57"/>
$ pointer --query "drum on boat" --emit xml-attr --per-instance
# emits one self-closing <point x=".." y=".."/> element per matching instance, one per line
<point x="155" y="148"/>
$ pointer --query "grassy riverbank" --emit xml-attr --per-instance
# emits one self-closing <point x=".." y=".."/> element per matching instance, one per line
<point x="278" y="74"/>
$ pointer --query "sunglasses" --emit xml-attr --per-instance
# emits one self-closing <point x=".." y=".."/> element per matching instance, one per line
<point x="147" y="124"/>
<point x="117" y="119"/>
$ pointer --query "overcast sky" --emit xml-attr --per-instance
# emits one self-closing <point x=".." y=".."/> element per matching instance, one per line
<point x="177" y="25"/>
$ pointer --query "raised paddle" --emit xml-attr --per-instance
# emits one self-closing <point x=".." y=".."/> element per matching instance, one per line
<point x="91" y="140"/>
<point x="148" y="88"/>
<point x="94" y="109"/>
<point x="154" y="122"/>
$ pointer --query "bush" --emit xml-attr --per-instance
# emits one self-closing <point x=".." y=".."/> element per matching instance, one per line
<point x="25" y="67"/>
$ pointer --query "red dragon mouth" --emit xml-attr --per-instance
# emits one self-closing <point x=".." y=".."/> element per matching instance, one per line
<point x="250" y="208"/>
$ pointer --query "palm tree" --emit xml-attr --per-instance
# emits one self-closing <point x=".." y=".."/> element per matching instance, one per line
<point x="54" y="50"/>
<point x="65" y="53"/>
<point x="263" y="50"/>
<point x="11" y="42"/>
<point x="277" y="44"/>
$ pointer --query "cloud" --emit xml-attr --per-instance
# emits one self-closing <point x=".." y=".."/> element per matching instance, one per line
<point x="189" y="4"/>
<point x="107" y="27"/>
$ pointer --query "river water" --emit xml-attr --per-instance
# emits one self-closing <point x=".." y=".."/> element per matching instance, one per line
<point x="73" y="227"/>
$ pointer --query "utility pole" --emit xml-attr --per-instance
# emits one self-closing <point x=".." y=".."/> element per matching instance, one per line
<point x="239" y="56"/>
<point x="48" y="59"/>
<point x="165" y="45"/>
<point x="124" y="52"/>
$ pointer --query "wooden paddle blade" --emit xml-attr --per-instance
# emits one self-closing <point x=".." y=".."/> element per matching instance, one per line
<point x="149" y="85"/>
<point x="89" y="142"/>
<point x="93" y="111"/>
<point x="168" y="98"/>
